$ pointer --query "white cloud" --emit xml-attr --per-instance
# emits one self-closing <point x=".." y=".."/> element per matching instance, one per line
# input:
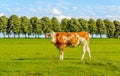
<point x="60" y="17"/>
<point x="16" y="9"/>
<point x="1" y="14"/>
<point x="111" y="12"/>
<point x="116" y="17"/>
<point x="59" y="14"/>
<point x="55" y="11"/>
<point x="63" y="9"/>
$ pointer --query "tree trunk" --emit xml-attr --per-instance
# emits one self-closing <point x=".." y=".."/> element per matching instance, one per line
<point x="8" y="35"/>
<point x="100" y="35"/>
<point x="92" y="35"/>
<point x="45" y="35"/>
<point x="14" y="35"/>
<point x="3" y="35"/>
<point x="35" y="36"/>
<point x="25" y="36"/>
<point x="18" y="35"/>
<point x="28" y="35"/>
<point x="38" y="35"/>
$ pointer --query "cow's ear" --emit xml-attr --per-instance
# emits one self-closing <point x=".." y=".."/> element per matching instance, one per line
<point x="48" y="35"/>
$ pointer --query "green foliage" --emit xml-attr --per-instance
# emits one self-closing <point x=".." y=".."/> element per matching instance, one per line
<point x="117" y="28"/>
<point x="46" y="24"/>
<point x="92" y="26"/>
<point x="26" y="25"/>
<point x="101" y="29"/>
<point x="30" y="57"/>
<point x="36" y="25"/>
<point x="74" y="25"/>
<point x="110" y="28"/>
<point x="55" y="25"/>
<point x="3" y="24"/>
<point x="15" y="24"/>
<point x="64" y="25"/>
<point x="84" y="24"/>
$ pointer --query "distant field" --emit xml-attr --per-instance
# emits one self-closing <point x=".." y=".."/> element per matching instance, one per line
<point x="38" y="57"/>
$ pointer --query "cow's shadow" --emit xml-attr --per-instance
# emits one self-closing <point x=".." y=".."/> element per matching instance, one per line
<point x="47" y="58"/>
<point x="21" y="59"/>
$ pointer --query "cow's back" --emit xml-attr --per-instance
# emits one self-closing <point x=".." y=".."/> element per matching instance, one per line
<point x="84" y="35"/>
<point x="66" y="38"/>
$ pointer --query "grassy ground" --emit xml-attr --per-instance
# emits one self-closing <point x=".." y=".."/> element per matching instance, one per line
<point x="38" y="57"/>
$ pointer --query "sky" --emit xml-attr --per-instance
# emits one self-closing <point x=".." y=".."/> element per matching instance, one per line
<point x="60" y="9"/>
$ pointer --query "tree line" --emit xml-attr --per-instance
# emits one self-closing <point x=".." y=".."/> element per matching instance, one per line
<point x="35" y="26"/>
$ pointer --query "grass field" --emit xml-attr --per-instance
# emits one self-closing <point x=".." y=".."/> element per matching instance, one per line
<point x="38" y="57"/>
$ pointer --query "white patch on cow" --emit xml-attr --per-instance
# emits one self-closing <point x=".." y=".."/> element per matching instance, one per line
<point x="66" y="39"/>
<point x="53" y="37"/>
<point x="82" y="40"/>
<point x="77" y="39"/>
<point x="72" y="36"/>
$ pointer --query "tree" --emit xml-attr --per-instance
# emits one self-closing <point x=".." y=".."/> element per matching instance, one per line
<point x="117" y="28"/>
<point x="101" y="29"/>
<point x="26" y="26"/>
<point x="92" y="26"/>
<point x="36" y="26"/>
<point x="3" y="25"/>
<point x="64" y="25"/>
<point x="55" y="25"/>
<point x="14" y="24"/>
<point x="74" y="25"/>
<point x="84" y="24"/>
<point x="46" y="25"/>
<point x="110" y="28"/>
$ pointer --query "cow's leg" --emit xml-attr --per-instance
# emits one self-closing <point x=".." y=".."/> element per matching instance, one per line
<point x="83" y="51"/>
<point x="88" y="50"/>
<point x="61" y="55"/>
<point x="84" y="48"/>
<point x="61" y="52"/>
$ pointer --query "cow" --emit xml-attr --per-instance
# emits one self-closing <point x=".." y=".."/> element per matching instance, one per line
<point x="64" y="39"/>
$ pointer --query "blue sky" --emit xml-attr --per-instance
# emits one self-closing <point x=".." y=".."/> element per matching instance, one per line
<point x="62" y="8"/>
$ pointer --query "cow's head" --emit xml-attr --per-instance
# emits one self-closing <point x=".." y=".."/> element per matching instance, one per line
<point x="52" y="35"/>
<point x="48" y="35"/>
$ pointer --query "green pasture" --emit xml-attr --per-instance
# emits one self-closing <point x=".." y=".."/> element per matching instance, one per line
<point x="38" y="57"/>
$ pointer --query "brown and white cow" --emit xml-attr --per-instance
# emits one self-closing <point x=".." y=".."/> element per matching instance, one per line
<point x="64" y="39"/>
